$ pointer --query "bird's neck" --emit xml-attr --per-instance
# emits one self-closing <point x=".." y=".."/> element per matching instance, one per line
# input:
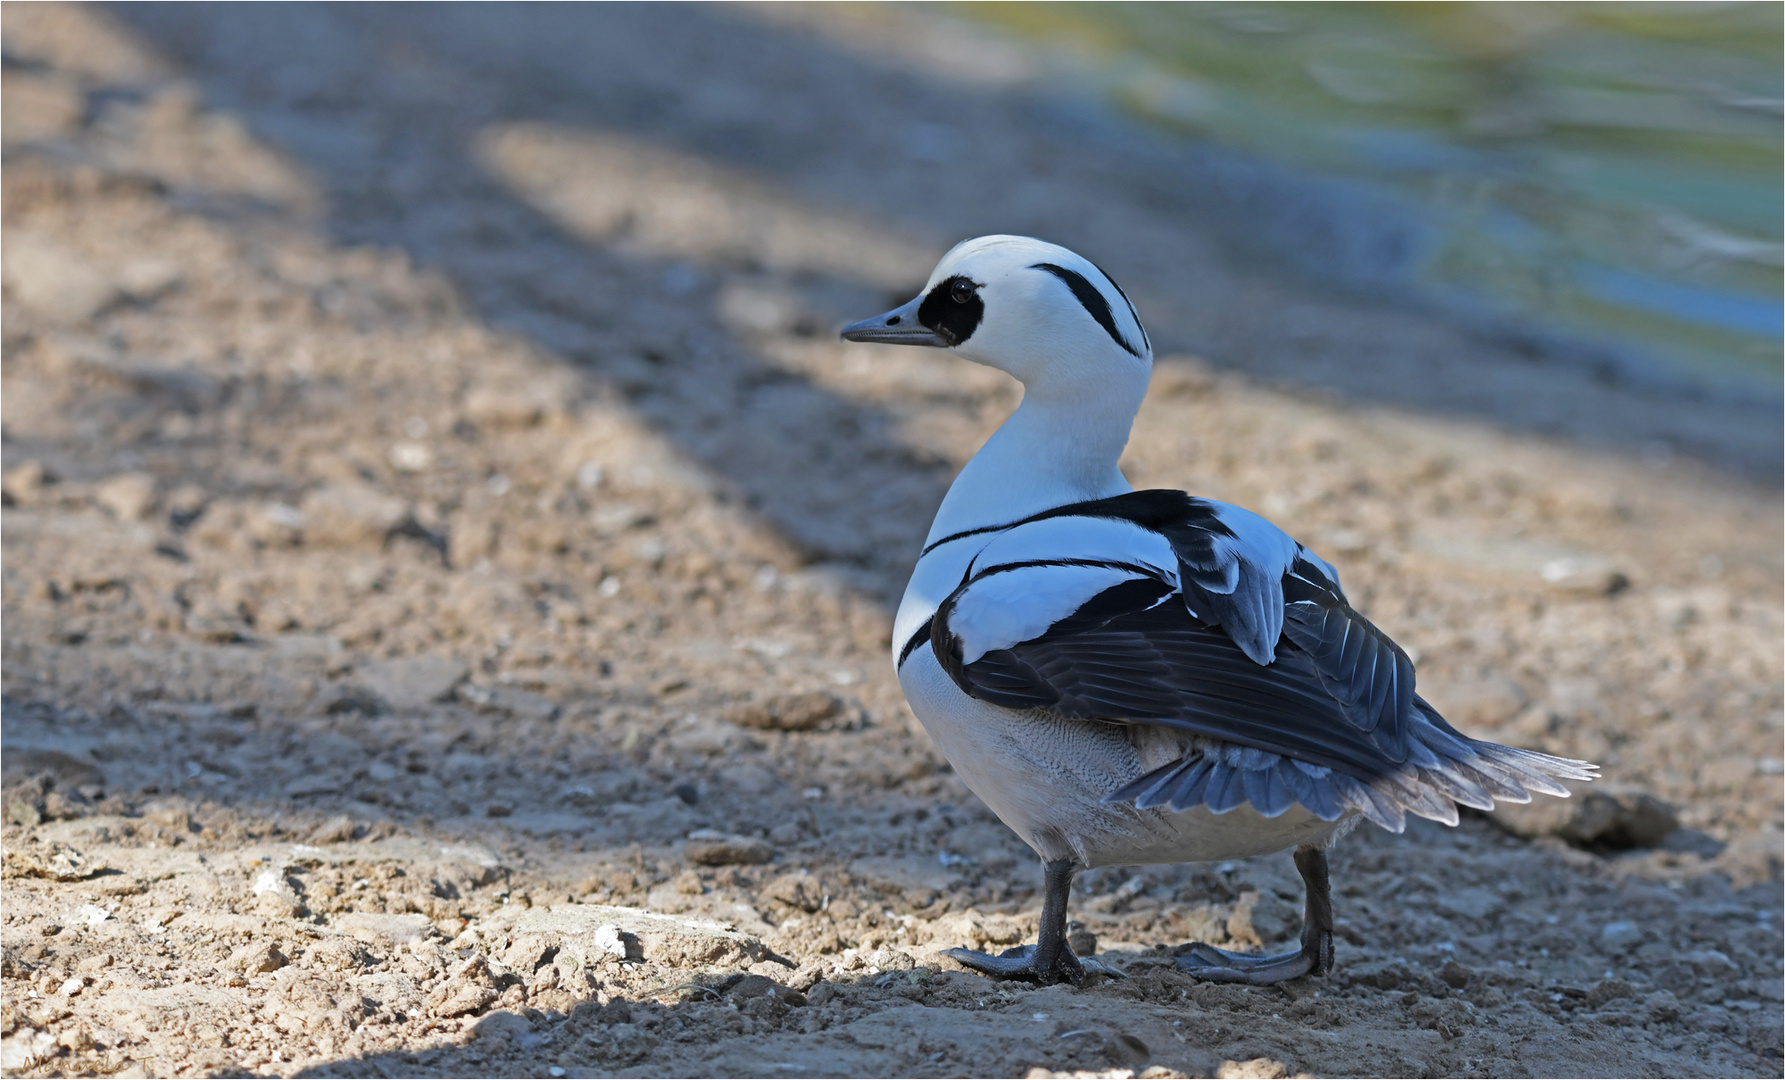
<point x="1062" y="445"/>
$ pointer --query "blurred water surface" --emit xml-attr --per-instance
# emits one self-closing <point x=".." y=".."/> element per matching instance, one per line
<point x="1604" y="172"/>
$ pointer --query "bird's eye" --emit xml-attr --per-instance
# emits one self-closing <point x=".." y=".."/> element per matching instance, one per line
<point x="961" y="291"/>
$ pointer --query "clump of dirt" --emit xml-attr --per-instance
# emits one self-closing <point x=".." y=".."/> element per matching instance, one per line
<point x="448" y="564"/>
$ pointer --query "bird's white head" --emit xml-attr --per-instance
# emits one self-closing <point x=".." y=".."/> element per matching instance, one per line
<point x="1042" y="313"/>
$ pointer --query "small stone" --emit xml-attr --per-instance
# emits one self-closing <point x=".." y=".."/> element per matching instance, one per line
<point x="71" y="986"/>
<point x="788" y="712"/>
<point x="510" y="406"/>
<point x="611" y="941"/>
<point x="752" y="986"/>
<point x="24" y="482"/>
<point x="411" y="457"/>
<point x="708" y="847"/>
<point x="505" y="1025"/>
<point x="891" y="959"/>
<point x="796" y="890"/>
<point x="1261" y="1068"/>
<point x="412" y="683"/>
<point x="128" y="496"/>
<point x="1608" y="990"/>
<point x="1710" y="963"/>
<point x="338" y="954"/>
<point x="351" y="514"/>
<point x="54" y="280"/>
<point x="335" y="830"/>
<point x="471" y="988"/>
<point x="256" y="957"/>
<point x="1620" y="934"/>
<point x="1382" y="976"/>
<point x="1455" y="975"/>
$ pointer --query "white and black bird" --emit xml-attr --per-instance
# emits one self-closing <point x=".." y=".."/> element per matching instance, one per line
<point x="1134" y="677"/>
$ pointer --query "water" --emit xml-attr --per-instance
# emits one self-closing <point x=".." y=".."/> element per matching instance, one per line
<point x="1605" y="173"/>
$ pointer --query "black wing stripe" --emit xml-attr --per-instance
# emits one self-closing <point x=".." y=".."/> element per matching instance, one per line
<point x="911" y="643"/>
<point x="1157" y="509"/>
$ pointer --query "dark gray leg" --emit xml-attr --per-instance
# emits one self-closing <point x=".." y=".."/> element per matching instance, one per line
<point x="1315" y="957"/>
<point x="1050" y="959"/>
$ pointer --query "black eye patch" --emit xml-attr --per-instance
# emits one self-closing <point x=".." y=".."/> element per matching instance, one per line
<point x="1092" y="300"/>
<point x="952" y="318"/>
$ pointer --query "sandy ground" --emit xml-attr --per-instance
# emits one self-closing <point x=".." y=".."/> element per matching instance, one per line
<point x="449" y="561"/>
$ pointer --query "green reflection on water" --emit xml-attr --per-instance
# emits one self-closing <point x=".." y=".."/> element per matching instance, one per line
<point x="1608" y="168"/>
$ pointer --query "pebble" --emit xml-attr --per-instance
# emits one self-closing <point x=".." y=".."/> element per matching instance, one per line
<point x="24" y="482"/>
<point x="1620" y="935"/>
<point x="351" y="514"/>
<point x="335" y="830"/>
<point x="59" y="283"/>
<point x="709" y="847"/>
<point x="128" y="496"/>
<point x="255" y="958"/>
<point x="412" y="683"/>
<point x="788" y="712"/>
<point x="1455" y="975"/>
<point x="1608" y="990"/>
<point x="608" y="939"/>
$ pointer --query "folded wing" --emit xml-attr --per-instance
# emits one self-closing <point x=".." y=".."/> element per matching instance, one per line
<point x="1157" y="608"/>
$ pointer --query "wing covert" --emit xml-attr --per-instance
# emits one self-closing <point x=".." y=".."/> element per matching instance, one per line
<point x="1261" y="648"/>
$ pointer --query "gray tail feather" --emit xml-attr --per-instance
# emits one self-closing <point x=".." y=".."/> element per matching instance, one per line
<point x="1444" y="770"/>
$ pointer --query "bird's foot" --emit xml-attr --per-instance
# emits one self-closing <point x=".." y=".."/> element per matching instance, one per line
<point x="1315" y="957"/>
<point x="1023" y="962"/>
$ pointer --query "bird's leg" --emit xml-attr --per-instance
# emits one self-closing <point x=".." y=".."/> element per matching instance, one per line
<point x="1315" y="957"/>
<point x="1050" y="959"/>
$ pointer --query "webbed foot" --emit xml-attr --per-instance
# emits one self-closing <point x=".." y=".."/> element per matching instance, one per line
<point x="1050" y="959"/>
<point x="1025" y="962"/>
<point x="1219" y="965"/>
<point x="1315" y="957"/>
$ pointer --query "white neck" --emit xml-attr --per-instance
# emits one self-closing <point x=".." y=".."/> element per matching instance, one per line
<point x="1061" y="446"/>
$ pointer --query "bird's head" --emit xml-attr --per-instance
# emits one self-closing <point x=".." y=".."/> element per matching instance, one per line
<point x="1024" y="306"/>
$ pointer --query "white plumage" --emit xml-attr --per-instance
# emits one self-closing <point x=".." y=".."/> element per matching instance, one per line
<point x="1143" y="677"/>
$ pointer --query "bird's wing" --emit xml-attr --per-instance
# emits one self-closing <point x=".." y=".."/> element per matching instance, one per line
<point x="1156" y="607"/>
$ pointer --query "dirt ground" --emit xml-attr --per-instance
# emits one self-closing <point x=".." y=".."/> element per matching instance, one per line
<point x="449" y="562"/>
